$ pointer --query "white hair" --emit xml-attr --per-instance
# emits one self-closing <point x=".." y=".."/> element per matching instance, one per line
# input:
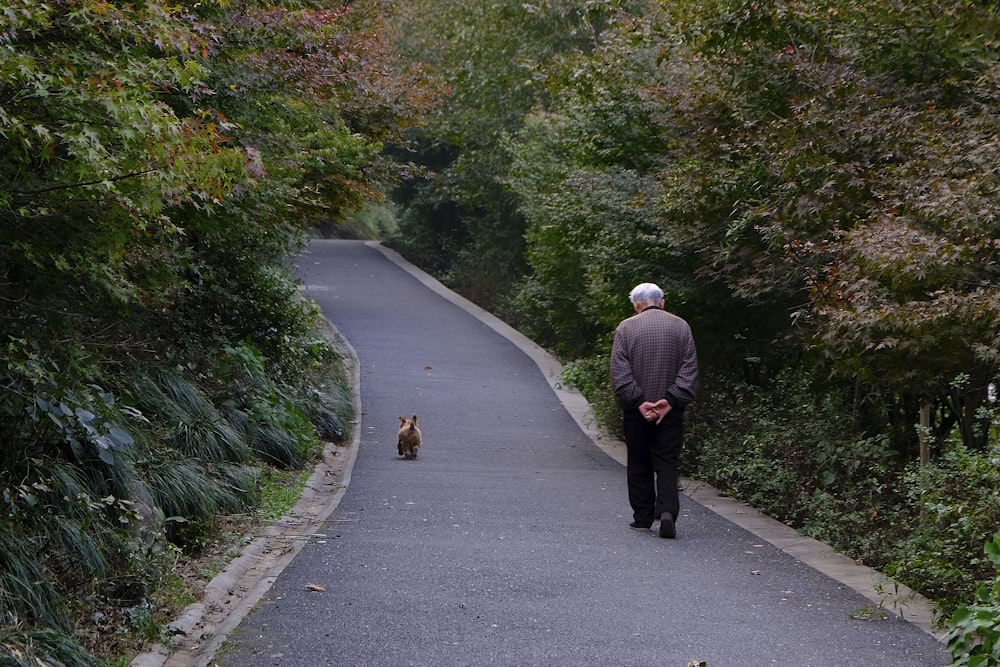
<point x="645" y="293"/>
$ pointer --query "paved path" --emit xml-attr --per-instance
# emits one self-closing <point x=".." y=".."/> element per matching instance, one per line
<point x="505" y="541"/>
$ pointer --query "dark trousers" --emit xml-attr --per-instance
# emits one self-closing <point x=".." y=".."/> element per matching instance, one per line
<point x="654" y="452"/>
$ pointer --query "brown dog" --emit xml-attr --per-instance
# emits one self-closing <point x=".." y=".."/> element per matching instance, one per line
<point x="409" y="438"/>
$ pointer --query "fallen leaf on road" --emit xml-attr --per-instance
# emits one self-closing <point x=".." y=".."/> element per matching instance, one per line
<point x="315" y="587"/>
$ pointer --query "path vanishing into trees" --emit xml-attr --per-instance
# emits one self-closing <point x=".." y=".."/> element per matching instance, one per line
<point x="506" y="541"/>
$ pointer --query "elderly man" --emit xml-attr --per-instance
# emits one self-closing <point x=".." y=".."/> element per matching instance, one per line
<point x="654" y="372"/>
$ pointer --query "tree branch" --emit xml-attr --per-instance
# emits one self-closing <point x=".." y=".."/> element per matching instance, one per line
<point x="55" y="188"/>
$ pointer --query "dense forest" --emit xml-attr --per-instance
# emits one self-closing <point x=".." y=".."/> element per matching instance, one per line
<point x="813" y="183"/>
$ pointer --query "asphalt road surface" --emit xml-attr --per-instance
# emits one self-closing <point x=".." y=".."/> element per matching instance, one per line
<point x="505" y="542"/>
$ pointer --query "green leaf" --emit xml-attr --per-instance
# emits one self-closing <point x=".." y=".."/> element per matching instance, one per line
<point x="119" y="437"/>
<point x="992" y="548"/>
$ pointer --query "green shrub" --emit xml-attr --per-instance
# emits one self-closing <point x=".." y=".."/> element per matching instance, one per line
<point x="762" y="481"/>
<point x="974" y="629"/>
<point x="282" y="423"/>
<point x="278" y="447"/>
<point x="592" y="378"/>
<point x="955" y="503"/>
<point x="853" y="500"/>
<point x="188" y="421"/>
<point x="192" y="498"/>
<point x="763" y="444"/>
<point x="789" y="449"/>
<point x="328" y="407"/>
<point x="27" y="595"/>
<point x="34" y="648"/>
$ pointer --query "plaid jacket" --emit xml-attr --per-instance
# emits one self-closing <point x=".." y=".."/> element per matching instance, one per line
<point x="654" y="357"/>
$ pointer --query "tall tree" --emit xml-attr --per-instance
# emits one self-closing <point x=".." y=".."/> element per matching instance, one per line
<point x="858" y="182"/>
<point x="822" y="174"/>
<point x="492" y="59"/>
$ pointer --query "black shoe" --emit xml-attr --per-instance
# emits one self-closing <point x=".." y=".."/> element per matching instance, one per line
<point x="667" y="528"/>
<point x="635" y="525"/>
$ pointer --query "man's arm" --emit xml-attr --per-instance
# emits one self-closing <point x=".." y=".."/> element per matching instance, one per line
<point x="622" y="378"/>
<point x="685" y="386"/>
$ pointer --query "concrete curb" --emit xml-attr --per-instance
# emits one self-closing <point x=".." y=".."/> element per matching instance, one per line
<point x="882" y="591"/>
<point x="204" y="626"/>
